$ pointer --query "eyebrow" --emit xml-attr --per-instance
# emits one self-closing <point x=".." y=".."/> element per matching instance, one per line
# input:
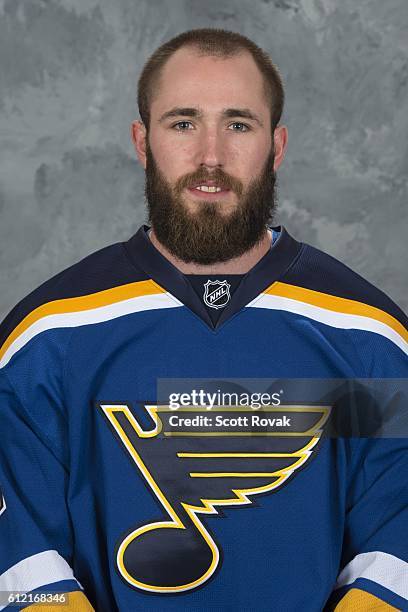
<point x="178" y="111"/>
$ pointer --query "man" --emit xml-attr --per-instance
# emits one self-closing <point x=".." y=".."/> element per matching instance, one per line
<point x="123" y="501"/>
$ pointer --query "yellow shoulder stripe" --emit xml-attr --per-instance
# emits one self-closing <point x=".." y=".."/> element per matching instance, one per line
<point x="82" y="303"/>
<point x="76" y="602"/>
<point x="336" y="304"/>
<point x="357" y="600"/>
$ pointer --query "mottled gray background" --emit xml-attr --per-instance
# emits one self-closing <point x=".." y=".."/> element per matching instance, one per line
<point x="69" y="180"/>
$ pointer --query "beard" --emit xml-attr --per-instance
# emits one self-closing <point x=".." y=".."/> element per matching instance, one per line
<point x="208" y="235"/>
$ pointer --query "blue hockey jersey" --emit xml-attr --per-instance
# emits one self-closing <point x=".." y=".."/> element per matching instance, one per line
<point x="124" y="502"/>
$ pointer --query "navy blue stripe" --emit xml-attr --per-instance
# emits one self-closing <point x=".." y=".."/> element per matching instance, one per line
<point x="371" y="587"/>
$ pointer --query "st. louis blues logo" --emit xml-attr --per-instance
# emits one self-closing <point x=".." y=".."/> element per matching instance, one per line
<point x="216" y="293"/>
<point x="196" y="461"/>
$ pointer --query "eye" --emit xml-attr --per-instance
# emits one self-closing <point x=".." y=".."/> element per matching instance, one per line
<point x="180" y="123"/>
<point x="244" y="125"/>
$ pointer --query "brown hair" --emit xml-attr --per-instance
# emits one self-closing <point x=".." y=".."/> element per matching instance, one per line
<point x="213" y="42"/>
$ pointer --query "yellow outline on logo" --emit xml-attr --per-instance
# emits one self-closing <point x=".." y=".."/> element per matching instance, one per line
<point x="208" y="506"/>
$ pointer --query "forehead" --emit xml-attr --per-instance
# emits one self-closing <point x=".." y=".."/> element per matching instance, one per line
<point x="189" y="79"/>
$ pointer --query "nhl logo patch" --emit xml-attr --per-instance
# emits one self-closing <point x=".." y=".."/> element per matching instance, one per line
<point x="216" y="293"/>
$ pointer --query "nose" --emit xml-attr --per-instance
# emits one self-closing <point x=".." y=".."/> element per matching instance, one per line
<point x="210" y="149"/>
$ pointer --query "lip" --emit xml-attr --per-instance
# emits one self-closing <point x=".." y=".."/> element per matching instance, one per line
<point x="208" y="196"/>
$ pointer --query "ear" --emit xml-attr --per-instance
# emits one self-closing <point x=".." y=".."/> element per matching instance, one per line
<point x="280" y="139"/>
<point x="138" y="133"/>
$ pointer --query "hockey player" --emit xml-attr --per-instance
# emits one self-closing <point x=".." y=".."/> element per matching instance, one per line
<point x="113" y="500"/>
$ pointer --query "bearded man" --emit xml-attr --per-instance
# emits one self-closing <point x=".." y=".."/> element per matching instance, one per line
<point x="128" y="480"/>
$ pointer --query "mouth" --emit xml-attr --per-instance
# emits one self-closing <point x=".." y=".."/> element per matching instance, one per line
<point x="209" y="195"/>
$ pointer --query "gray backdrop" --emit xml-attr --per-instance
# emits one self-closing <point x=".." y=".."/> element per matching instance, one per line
<point x="69" y="179"/>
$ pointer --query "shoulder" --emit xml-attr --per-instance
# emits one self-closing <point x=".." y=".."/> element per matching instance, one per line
<point x="318" y="271"/>
<point x="84" y="285"/>
<point x="320" y="288"/>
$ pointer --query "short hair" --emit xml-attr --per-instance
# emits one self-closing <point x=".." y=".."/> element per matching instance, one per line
<point x="210" y="42"/>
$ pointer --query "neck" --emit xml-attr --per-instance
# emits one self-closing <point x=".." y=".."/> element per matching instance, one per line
<point x="237" y="265"/>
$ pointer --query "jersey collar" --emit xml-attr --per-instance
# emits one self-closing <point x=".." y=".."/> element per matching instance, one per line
<point x="270" y="268"/>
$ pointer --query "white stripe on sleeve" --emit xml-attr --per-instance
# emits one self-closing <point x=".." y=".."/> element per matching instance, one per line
<point x="33" y="572"/>
<point x="380" y="567"/>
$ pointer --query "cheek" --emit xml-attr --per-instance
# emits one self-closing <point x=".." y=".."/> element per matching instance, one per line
<point x="245" y="168"/>
<point x="255" y="165"/>
<point x="248" y="159"/>
<point x="172" y="154"/>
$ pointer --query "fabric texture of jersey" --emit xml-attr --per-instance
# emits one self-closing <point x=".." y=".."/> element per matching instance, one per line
<point x="97" y="501"/>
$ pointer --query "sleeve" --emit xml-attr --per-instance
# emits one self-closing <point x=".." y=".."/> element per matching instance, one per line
<point x="373" y="574"/>
<point x="36" y="552"/>
<point x="374" y="568"/>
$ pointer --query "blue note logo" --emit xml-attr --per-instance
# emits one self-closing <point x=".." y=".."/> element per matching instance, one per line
<point x="216" y="293"/>
<point x="195" y="462"/>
